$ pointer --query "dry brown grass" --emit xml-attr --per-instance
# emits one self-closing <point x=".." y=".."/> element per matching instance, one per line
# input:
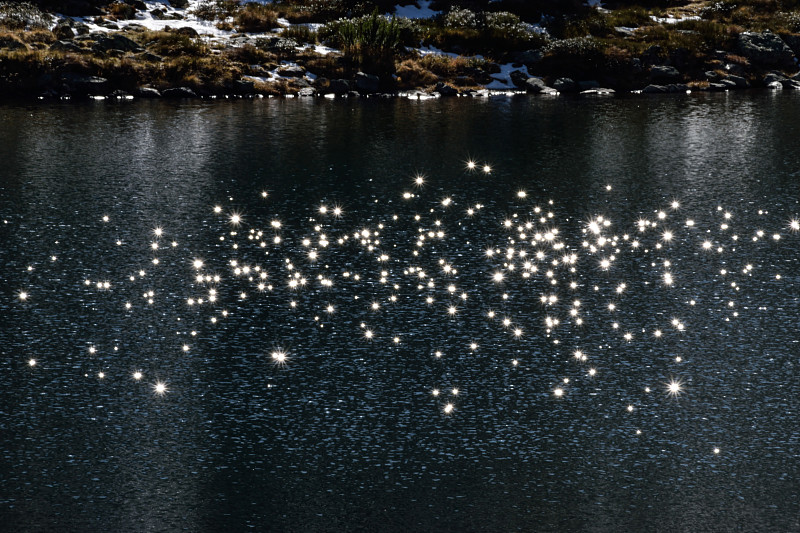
<point x="38" y="36"/>
<point x="412" y="74"/>
<point x="698" y="84"/>
<point x="255" y="18"/>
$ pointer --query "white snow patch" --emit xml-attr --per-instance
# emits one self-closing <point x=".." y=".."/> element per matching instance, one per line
<point x="146" y="19"/>
<point x="420" y="10"/>
<point x="502" y="80"/>
<point x="430" y="49"/>
<point x="669" y="19"/>
<point x="274" y="76"/>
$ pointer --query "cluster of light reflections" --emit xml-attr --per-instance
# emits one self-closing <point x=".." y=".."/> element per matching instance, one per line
<point x="585" y="271"/>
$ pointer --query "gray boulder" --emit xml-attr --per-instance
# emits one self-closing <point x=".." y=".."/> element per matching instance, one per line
<point x="85" y="85"/>
<point x="292" y="71"/>
<point x="187" y="31"/>
<point x="115" y="41"/>
<point x="712" y="76"/>
<point x="307" y="91"/>
<point x="147" y="92"/>
<point x="179" y="92"/>
<point x="655" y="89"/>
<point x="653" y="55"/>
<point x="773" y="78"/>
<point x="65" y="46"/>
<point x="367" y="83"/>
<point x="738" y="80"/>
<point x="565" y="85"/>
<point x="150" y="56"/>
<point x="445" y="90"/>
<point x="529" y="57"/>
<point x="244" y="87"/>
<point x="63" y="31"/>
<point x="765" y="49"/>
<point x="518" y="78"/>
<point x="535" y="85"/>
<point x="339" y="86"/>
<point x="664" y="73"/>
<point x="671" y="88"/>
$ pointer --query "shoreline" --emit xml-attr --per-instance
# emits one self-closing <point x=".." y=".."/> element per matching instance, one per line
<point x="161" y="54"/>
<point x="414" y="96"/>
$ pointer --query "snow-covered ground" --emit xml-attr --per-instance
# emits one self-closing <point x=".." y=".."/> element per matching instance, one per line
<point x="502" y="80"/>
<point x="420" y="10"/>
<point x="145" y="18"/>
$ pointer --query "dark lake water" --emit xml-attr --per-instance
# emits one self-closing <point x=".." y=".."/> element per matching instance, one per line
<point x="249" y="315"/>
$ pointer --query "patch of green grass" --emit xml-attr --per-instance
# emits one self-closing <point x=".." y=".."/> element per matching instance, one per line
<point x="300" y="33"/>
<point x="371" y="41"/>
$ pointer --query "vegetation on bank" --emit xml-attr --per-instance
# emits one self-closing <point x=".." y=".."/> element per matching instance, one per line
<point x="626" y="45"/>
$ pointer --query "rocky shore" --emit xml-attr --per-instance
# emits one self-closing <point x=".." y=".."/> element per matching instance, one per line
<point x="159" y="50"/>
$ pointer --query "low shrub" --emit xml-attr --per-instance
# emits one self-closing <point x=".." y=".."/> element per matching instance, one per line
<point x="411" y="74"/>
<point x="255" y="18"/>
<point x="328" y="66"/>
<point x="449" y="67"/>
<point x="167" y="43"/>
<point x="595" y="24"/>
<point x="215" y="9"/>
<point x="249" y="55"/>
<point x="713" y="35"/>
<point x="460" y="18"/>
<point x="790" y="21"/>
<point x="205" y="74"/>
<point x="121" y="11"/>
<point x="492" y="33"/>
<point x="631" y="17"/>
<point x="581" y="57"/>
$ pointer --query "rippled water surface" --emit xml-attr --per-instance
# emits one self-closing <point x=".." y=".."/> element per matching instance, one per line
<point x="254" y="315"/>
